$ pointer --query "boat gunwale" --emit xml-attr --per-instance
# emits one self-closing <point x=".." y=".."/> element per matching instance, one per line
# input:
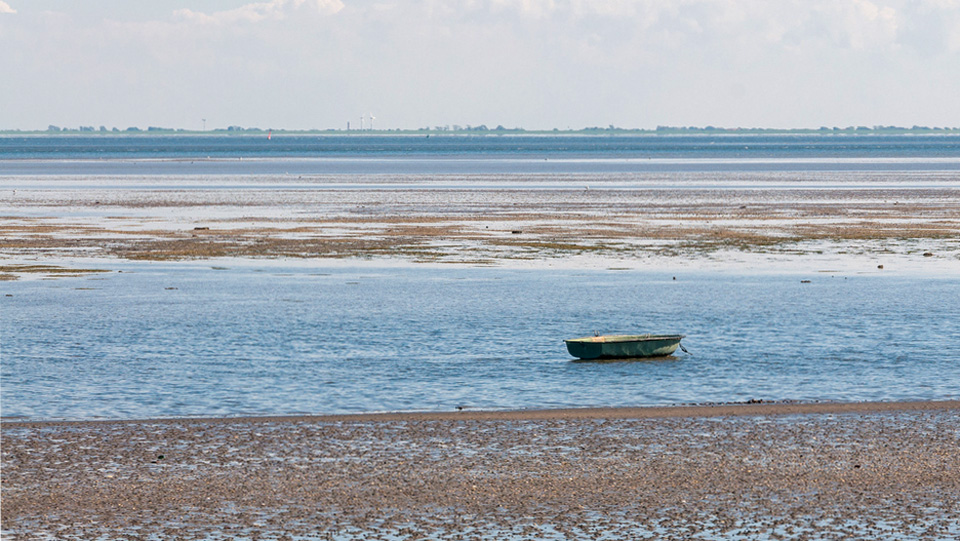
<point x="622" y="338"/>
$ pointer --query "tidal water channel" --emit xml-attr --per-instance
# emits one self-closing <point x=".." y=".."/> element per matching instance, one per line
<point x="194" y="339"/>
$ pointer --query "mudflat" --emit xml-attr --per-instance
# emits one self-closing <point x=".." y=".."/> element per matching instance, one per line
<point x="734" y="471"/>
<point x="638" y="219"/>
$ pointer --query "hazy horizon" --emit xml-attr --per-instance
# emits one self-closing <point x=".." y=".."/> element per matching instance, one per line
<point x="531" y="64"/>
<point x="54" y="129"/>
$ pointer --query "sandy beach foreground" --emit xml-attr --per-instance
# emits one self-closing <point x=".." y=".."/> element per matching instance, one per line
<point x="752" y="471"/>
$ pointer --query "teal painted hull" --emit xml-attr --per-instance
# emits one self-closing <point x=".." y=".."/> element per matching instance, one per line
<point x="624" y="346"/>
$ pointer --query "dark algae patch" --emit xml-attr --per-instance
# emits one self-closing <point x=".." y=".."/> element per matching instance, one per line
<point x="11" y="272"/>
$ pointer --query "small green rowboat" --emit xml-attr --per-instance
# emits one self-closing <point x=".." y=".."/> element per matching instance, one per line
<point x="624" y="346"/>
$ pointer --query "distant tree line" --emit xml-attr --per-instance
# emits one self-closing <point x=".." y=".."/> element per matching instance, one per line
<point x="103" y="129"/>
<point x="822" y="129"/>
<point x="500" y="129"/>
<point x="469" y="128"/>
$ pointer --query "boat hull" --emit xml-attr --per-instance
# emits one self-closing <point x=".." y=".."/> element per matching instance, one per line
<point x="623" y="346"/>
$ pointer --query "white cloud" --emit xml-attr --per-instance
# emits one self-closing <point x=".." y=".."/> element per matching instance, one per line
<point x="531" y="63"/>
<point x="259" y="11"/>
<point x="935" y="25"/>
<point x="532" y="8"/>
<point x="870" y="25"/>
<point x="5" y="8"/>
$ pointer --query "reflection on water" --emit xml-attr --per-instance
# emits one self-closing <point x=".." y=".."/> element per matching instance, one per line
<point x="661" y="359"/>
<point x="180" y="340"/>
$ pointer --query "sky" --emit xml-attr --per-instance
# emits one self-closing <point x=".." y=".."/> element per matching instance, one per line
<point x="533" y="64"/>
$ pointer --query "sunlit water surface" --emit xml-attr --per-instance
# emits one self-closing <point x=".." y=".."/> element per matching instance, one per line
<point x="166" y="340"/>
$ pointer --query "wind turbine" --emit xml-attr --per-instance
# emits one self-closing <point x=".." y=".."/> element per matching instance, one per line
<point x="371" y="121"/>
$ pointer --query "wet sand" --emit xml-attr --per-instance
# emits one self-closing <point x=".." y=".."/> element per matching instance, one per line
<point x="740" y="471"/>
<point x="618" y="219"/>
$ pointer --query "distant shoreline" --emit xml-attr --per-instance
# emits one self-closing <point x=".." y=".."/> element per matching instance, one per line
<point x="759" y="409"/>
<point x="488" y="132"/>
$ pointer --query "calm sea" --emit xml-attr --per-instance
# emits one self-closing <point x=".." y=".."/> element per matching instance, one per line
<point x="162" y="340"/>
<point x="508" y="154"/>
<point x="249" y="338"/>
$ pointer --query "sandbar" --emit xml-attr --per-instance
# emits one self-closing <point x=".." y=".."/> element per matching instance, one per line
<point x="842" y="220"/>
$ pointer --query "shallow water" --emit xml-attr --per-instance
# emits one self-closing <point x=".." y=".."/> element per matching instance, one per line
<point x="166" y="340"/>
<point x="725" y="146"/>
<point x="491" y="154"/>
